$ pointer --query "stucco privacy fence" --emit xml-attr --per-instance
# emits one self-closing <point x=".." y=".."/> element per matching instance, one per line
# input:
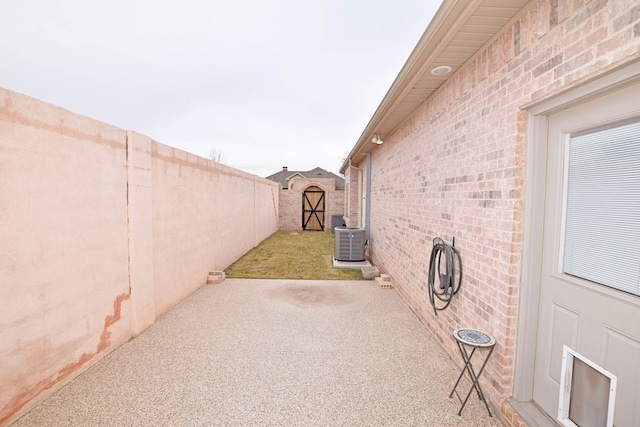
<point x="102" y="230"/>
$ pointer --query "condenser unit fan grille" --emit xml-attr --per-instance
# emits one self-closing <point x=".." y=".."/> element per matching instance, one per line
<point x="349" y="244"/>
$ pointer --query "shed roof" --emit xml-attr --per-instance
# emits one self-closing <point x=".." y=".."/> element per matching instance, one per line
<point x="456" y="33"/>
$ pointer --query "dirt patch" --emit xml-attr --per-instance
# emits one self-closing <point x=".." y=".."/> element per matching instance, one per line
<point x="303" y="295"/>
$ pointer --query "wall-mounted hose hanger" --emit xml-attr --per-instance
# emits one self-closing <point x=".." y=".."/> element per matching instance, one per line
<point x="445" y="274"/>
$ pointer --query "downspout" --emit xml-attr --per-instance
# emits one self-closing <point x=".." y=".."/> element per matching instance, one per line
<point x="367" y="200"/>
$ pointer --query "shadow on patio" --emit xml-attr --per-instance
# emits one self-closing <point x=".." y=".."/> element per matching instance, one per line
<point x="272" y="352"/>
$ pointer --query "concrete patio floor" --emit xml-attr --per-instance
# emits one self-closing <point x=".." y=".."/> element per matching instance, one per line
<point x="272" y="353"/>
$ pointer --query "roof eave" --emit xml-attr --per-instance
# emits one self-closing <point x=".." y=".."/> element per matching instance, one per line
<point x="444" y="26"/>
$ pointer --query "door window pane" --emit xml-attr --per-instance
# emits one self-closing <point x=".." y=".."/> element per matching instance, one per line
<point x="602" y="206"/>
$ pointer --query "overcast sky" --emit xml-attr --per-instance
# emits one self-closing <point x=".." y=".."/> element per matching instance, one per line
<point x="265" y="84"/>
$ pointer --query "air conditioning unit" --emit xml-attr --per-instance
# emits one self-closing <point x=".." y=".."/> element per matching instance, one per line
<point x="349" y="244"/>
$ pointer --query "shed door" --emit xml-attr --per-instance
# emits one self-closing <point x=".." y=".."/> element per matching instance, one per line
<point x="585" y="247"/>
<point x="313" y="209"/>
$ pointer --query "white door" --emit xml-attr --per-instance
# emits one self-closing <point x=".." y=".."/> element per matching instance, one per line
<point x="597" y="321"/>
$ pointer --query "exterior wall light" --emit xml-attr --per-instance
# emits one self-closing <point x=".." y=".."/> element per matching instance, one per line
<point x="441" y="70"/>
<point x="376" y="139"/>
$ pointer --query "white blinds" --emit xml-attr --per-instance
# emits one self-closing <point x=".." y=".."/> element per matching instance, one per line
<point x="602" y="206"/>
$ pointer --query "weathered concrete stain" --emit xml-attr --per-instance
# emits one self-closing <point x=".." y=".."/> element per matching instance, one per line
<point x="19" y="401"/>
<point x="308" y="295"/>
<point x="105" y="337"/>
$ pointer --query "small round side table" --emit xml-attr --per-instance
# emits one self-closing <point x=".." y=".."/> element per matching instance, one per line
<point x="474" y="340"/>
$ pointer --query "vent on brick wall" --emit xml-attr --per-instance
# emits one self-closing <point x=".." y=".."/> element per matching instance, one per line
<point x="349" y="244"/>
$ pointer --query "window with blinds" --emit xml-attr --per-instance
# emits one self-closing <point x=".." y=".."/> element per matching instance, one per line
<point x="601" y="241"/>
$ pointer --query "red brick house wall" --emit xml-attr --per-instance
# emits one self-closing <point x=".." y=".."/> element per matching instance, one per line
<point x="352" y="197"/>
<point x="455" y="168"/>
<point x="290" y="215"/>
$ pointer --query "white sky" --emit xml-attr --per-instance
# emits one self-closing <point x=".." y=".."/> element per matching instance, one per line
<point x="264" y="83"/>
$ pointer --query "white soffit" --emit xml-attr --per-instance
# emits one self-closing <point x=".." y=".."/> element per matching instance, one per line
<point x="458" y="30"/>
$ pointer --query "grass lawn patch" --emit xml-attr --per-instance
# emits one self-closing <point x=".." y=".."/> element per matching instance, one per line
<point x="306" y="255"/>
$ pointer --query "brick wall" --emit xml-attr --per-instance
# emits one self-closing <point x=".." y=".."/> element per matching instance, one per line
<point x="456" y="167"/>
<point x="352" y="196"/>
<point x="290" y="218"/>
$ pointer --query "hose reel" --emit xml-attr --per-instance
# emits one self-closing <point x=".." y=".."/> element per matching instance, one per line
<point x="445" y="264"/>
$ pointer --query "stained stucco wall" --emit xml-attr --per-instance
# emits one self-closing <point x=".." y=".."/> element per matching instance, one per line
<point x="227" y="211"/>
<point x="101" y="231"/>
<point x="456" y="168"/>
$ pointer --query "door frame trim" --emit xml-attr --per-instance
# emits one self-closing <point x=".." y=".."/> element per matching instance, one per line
<point x="534" y="197"/>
